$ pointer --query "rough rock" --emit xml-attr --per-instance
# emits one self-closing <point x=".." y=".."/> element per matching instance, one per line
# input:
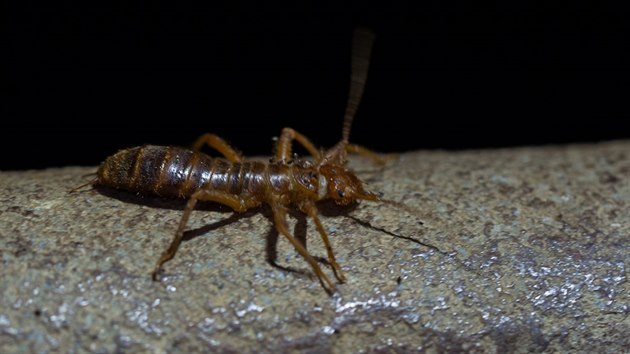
<point x="506" y="250"/>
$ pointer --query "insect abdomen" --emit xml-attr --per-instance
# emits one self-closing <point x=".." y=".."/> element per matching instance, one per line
<point x="169" y="171"/>
<point x="161" y="170"/>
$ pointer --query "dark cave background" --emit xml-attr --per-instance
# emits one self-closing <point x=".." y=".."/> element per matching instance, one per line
<point x="86" y="79"/>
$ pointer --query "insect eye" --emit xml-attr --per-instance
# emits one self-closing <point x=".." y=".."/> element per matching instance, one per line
<point x="340" y="193"/>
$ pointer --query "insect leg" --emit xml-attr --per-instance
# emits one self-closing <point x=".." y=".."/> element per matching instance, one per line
<point x="208" y="195"/>
<point x="218" y="144"/>
<point x="283" y="147"/>
<point x="310" y="208"/>
<point x="280" y="221"/>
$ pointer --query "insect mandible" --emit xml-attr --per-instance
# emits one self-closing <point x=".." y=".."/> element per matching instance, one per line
<point x="174" y="172"/>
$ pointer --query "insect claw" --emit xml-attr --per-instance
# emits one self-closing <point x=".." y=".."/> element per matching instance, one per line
<point x="155" y="274"/>
<point x="330" y="290"/>
<point x="338" y="273"/>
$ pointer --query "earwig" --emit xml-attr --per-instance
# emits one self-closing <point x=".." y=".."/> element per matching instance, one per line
<point x="174" y="172"/>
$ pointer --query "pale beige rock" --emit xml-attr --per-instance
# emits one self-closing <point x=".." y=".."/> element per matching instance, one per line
<point x="512" y="250"/>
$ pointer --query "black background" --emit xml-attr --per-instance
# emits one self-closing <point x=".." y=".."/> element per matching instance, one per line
<point x="86" y="79"/>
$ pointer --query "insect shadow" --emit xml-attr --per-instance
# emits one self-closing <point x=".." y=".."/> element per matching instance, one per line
<point x="326" y="208"/>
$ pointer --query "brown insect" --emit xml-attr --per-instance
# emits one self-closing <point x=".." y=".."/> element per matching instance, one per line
<point x="174" y="172"/>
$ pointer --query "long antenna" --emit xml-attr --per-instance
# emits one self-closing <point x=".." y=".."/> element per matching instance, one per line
<point x="362" y="42"/>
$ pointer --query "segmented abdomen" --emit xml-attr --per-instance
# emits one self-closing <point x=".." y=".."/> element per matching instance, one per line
<point x="169" y="171"/>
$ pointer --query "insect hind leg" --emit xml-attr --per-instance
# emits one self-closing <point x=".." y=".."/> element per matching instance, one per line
<point x="230" y="200"/>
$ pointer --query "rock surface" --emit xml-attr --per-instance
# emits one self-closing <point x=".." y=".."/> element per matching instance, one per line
<point x="511" y="250"/>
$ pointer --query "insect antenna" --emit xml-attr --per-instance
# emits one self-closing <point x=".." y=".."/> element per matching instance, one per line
<point x="378" y="197"/>
<point x="405" y="207"/>
<point x="363" y="40"/>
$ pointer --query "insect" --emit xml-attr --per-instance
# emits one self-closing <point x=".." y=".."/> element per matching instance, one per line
<point x="174" y="172"/>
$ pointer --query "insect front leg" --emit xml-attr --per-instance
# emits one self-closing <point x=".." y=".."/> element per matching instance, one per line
<point x="360" y="150"/>
<point x="217" y="143"/>
<point x="280" y="221"/>
<point x="309" y="208"/>
<point x="234" y="202"/>
<point x="285" y="142"/>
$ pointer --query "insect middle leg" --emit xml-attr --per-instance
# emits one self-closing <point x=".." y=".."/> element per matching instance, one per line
<point x="285" y="142"/>
<point x="234" y="202"/>
<point x="217" y="143"/>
